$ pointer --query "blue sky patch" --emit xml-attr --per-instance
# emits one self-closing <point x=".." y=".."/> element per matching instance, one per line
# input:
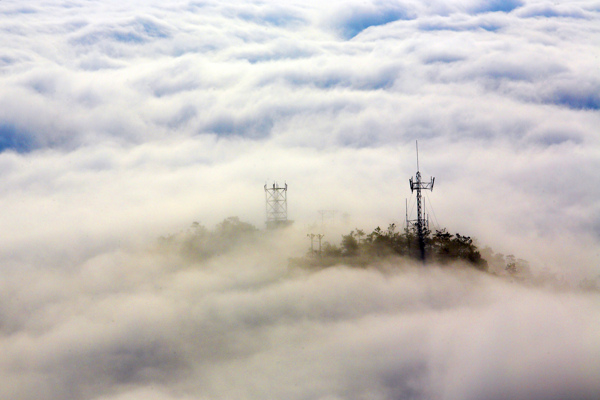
<point x="579" y="101"/>
<point x="12" y="139"/>
<point x="359" y="20"/>
<point x="499" y="6"/>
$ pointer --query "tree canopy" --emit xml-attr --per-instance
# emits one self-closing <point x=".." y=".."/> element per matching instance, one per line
<point x="201" y="243"/>
<point x="441" y="246"/>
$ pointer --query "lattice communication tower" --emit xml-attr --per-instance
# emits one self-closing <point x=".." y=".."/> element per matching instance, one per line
<point x="421" y="222"/>
<point x="276" y="206"/>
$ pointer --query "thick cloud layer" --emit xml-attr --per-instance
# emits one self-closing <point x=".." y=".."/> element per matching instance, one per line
<point x="124" y="121"/>
<point x="151" y="325"/>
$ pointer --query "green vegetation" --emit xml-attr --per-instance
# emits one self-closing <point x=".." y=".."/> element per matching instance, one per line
<point x="200" y="243"/>
<point x="361" y="250"/>
<point x="356" y="248"/>
<point x="440" y="247"/>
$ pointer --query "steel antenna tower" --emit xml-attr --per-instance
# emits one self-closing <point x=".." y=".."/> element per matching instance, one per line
<point x="418" y="185"/>
<point x="276" y="206"/>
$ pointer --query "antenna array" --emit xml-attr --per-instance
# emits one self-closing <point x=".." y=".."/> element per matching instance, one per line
<point x="419" y="185"/>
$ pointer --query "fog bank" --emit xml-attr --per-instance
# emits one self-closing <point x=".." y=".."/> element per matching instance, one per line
<point x="151" y="324"/>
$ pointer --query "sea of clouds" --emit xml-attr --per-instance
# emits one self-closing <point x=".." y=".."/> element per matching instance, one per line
<point x="121" y="122"/>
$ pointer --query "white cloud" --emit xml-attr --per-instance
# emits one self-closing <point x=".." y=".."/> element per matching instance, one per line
<point x="242" y="326"/>
<point x="124" y="121"/>
<point x="269" y="76"/>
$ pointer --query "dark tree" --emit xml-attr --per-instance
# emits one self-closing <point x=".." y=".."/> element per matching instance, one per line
<point x="349" y="244"/>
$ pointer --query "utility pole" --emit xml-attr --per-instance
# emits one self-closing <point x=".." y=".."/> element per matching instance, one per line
<point x="320" y="236"/>
<point x="418" y="185"/>
<point x="312" y="236"/>
<point x="326" y="216"/>
<point x="312" y="249"/>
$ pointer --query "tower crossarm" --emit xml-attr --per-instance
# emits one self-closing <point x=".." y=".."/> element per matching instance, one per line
<point x="418" y="184"/>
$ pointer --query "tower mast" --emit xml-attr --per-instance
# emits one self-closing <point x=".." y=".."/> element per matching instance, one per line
<point x="418" y="185"/>
<point x="276" y="206"/>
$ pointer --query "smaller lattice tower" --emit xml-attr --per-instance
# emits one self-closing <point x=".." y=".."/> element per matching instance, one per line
<point x="276" y="206"/>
